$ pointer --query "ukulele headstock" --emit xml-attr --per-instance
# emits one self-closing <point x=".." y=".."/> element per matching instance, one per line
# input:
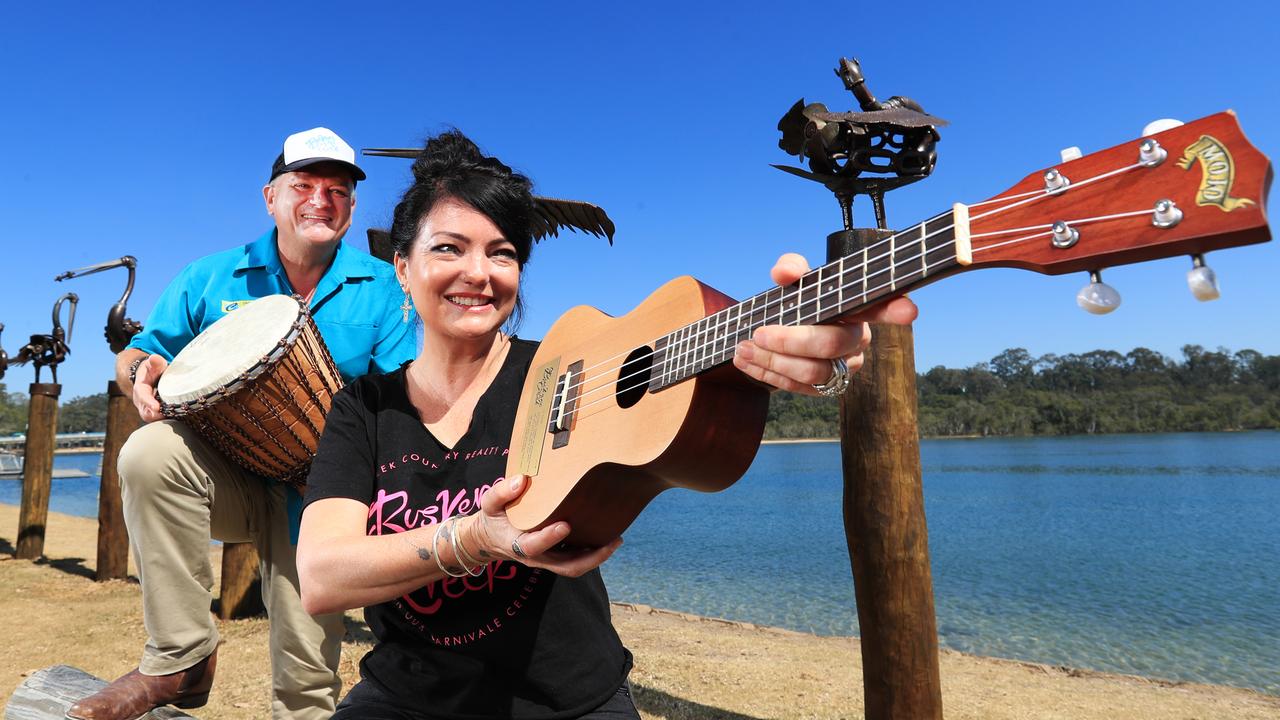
<point x="1188" y="190"/>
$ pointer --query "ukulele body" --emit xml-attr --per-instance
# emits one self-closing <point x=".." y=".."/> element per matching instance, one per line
<point x="621" y="449"/>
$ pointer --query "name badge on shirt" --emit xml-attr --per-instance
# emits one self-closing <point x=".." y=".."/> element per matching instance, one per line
<point x="229" y="305"/>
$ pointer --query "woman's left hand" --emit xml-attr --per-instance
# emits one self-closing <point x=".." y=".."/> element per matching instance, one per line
<point x="499" y="539"/>
<point x="798" y="358"/>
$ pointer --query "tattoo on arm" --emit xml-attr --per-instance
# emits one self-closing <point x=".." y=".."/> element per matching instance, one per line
<point x="423" y="553"/>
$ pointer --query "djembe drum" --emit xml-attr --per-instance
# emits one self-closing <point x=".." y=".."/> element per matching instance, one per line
<point x="257" y="385"/>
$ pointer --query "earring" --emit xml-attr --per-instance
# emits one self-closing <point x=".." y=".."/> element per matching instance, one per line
<point x="405" y="306"/>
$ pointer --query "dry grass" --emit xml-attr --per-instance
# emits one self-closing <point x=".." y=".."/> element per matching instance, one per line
<point x="686" y="667"/>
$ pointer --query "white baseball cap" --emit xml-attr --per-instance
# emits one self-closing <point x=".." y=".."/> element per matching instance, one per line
<point x="313" y="146"/>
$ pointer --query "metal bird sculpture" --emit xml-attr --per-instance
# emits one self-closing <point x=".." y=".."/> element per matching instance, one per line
<point x="50" y="350"/>
<point x="120" y="329"/>
<point x="887" y="145"/>
<point x="553" y="214"/>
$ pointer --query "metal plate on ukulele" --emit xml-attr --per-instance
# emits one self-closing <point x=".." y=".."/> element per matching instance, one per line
<point x="537" y="415"/>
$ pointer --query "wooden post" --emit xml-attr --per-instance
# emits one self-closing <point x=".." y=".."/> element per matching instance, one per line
<point x="885" y="526"/>
<point x="113" y="536"/>
<point x="241" y="593"/>
<point x="37" y="472"/>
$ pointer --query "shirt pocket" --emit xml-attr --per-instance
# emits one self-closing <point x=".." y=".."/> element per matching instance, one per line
<point x="350" y="344"/>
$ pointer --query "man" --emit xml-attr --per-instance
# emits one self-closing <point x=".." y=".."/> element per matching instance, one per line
<point x="179" y="491"/>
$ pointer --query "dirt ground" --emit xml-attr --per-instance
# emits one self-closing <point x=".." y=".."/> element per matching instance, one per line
<point x="686" y="666"/>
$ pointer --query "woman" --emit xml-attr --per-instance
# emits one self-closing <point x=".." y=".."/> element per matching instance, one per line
<point x="406" y="506"/>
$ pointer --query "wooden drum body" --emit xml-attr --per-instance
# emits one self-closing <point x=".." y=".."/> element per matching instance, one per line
<point x="257" y="384"/>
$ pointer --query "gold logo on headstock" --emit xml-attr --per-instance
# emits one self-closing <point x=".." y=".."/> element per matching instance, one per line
<point x="1218" y="170"/>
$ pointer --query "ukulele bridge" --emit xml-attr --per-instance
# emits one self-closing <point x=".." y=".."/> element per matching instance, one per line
<point x="565" y="404"/>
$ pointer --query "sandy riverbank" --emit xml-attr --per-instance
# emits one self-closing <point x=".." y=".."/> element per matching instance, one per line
<point x="686" y="667"/>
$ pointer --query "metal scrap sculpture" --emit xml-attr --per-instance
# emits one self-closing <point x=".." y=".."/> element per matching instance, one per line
<point x="48" y="350"/>
<point x="120" y="329"/>
<point x="887" y="145"/>
<point x="553" y="214"/>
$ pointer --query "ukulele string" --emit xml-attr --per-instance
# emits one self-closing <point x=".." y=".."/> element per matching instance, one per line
<point x="584" y="374"/>
<point x="1006" y="198"/>
<point x="1049" y="193"/>
<point x="710" y="331"/>
<point x="585" y="371"/>
<point x="1019" y="200"/>
<point x="802" y="319"/>
<point x="799" y="321"/>
<point x="1046" y="230"/>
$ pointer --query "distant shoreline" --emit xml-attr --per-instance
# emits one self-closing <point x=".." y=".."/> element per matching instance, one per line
<point x="65" y="451"/>
<point x="798" y="441"/>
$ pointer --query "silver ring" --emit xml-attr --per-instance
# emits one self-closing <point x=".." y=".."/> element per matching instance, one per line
<point x="838" y="382"/>
<point x="515" y="547"/>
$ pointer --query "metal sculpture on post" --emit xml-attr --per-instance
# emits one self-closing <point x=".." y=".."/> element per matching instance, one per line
<point x="50" y="350"/>
<point x="4" y="356"/>
<point x="42" y="427"/>
<point x="884" y="146"/>
<point x="122" y="420"/>
<point x="887" y="145"/>
<point x="120" y="329"/>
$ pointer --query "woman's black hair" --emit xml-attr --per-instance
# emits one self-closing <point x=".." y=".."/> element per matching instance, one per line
<point x="451" y="166"/>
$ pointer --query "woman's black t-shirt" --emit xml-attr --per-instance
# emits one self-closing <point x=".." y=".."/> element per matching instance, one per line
<point x="513" y="642"/>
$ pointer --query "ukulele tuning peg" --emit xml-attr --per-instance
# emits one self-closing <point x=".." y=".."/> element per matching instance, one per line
<point x="1098" y="297"/>
<point x="1201" y="280"/>
<point x="1159" y="126"/>
<point x="1071" y="153"/>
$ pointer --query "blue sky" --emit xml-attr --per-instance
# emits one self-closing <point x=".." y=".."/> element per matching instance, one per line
<point x="149" y="129"/>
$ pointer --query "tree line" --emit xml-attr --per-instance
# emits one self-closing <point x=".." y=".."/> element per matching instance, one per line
<point x="82" y="414"/>
<point x="1014" y="393"/>
<point x="1102" y="391"/>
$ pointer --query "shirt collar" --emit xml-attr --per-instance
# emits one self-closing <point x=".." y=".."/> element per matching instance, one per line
<point x="261" y="254"/>
<point x="347" y="263"/>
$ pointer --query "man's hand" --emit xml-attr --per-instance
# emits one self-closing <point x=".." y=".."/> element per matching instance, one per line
<point x="144" y="387"/>
<point x="797" y="358"/>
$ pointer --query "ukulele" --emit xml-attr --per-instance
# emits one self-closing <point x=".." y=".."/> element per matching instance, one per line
<point x="615" y="410"/>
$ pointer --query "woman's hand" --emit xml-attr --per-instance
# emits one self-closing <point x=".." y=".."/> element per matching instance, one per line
<point x="798" y="358"/>
<point x="497" y="539"/>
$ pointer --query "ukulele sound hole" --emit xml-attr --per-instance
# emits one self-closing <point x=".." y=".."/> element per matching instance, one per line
<point x="633" y="381"/>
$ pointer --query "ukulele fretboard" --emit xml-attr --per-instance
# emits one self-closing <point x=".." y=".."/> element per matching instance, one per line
<point x="885" y="267"/>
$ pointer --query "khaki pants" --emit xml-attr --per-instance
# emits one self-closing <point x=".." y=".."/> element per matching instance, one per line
<point x="179" y="492"/>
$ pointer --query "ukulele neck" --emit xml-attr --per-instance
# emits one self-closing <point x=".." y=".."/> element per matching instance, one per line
<point x="883" y="268"/>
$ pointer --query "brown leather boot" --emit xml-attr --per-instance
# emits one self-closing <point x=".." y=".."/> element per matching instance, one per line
<point x="135" y="694"/>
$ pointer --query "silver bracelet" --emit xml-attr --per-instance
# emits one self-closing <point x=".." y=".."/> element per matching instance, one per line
<point x="435" y="550"/>
<point x="459" y="554"/>
<point x="466" y="557"/>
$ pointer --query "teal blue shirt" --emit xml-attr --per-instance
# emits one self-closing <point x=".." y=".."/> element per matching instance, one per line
<point x="356" y="306"/>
